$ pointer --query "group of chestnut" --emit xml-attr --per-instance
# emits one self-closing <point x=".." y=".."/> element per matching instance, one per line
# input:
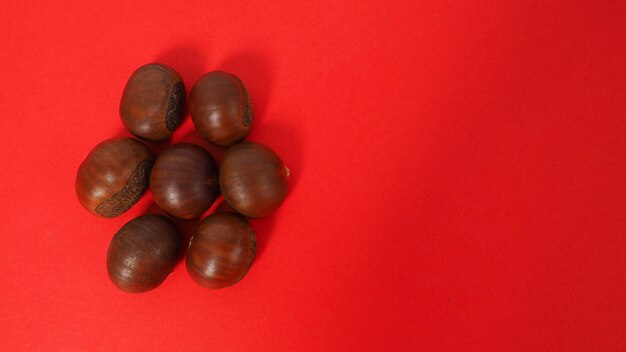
<point x="184" y="180"/>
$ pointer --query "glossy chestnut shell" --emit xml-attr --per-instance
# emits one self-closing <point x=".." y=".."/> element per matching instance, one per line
<point x="221" y="250"/>
<point x="153" y="102"/>
<point x="143" y="253"/>
<point x="113" y="176"/>
<point x="184" y="180"/>
<point x="221" y="108"/>
<point x="253" y="179"/>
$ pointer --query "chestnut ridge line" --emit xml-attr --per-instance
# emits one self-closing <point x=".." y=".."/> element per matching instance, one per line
<point x="183" y="179"/>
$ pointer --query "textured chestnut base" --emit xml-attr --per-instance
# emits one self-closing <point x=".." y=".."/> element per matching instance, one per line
<point x="129" y="195"/>
<point x="113" y="176"/>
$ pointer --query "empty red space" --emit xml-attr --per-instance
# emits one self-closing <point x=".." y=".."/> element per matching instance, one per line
<point x="458" y="175"/>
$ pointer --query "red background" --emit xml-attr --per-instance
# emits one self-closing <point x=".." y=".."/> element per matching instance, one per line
<point x="458" y="175"/>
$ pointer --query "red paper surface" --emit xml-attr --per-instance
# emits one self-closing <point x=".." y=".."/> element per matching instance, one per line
<point x="458" y="175"/>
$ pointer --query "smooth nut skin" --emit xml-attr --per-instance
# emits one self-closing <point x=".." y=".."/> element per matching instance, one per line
<point x="143" y="253"/>
<point x="184" y="180"/>
<point x="221" y="250"/>
<point x="253" y="179"/>
<point x="113" y="176"/>
<point x="220" y="108"/>
<point x="153" y="102"/>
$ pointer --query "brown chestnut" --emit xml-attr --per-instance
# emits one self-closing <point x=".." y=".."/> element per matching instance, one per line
<point x="221" y="250"/>
<point x="153" y="102"/>
<point x="113" y="176"/>
<point x="220" y="108"/>
<point x="143" y="253"/>
<point x="184" y="180"/>
<point x="253" y="179"/>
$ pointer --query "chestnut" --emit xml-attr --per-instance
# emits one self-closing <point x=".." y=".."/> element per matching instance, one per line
<point x="220" y="108"/>
<point x="143" y="253"/>
<point x="221" y="250"/>
<point x="184" y="180"/>
<point x="153" y="102"/>
<point x="253" y="179"/>
<point x="113" y="176"/>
